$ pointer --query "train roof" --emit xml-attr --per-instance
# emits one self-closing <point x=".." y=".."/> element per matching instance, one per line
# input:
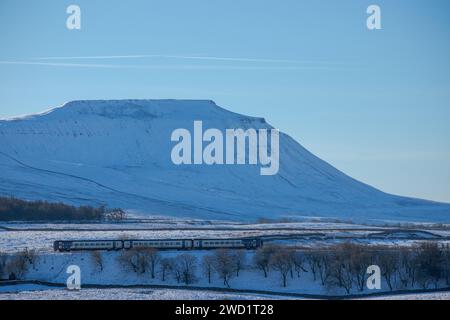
<point x="206" y="239"/>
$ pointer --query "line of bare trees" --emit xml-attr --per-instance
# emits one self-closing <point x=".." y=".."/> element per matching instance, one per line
<point x="226" y="264"/>
<point x="345" y="265"/>
<point x="341" y="266"/>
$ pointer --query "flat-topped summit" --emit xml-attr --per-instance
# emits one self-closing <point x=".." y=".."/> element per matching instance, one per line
<point x="139" y="109"/>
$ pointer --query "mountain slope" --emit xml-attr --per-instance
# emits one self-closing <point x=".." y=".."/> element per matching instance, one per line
<point x="118" y="153"/>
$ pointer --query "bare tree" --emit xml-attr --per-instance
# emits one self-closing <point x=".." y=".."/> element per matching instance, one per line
<point x="360" y="259"/>
<point x="261" y="258"/>
<point x="431" y="264"/>
<point x="177" y="270"/>
<point x="407" y="270"/>
<point x="388" y="262"/>
<point x="153" y="258"/>
<point x="166" y="265"/>
<point x="224" y="265"/>
<point x="97" y="259"/>
<point x="17" y="265"/>
<point x="31" y="256"/>
<point x="446" y="262"/>
<point x="208" y="266"/>
<point x="313" y="259"/>
<point x="136" y="259"/>
<point x="186" y="265"/>
<point x="281" y="261"/>
<point x="239" y="258"/>
<point x="339" y="272"/>
<point x="129" y="259"/>
<point x="3" y="259"/>
<point x="298" y="261"/>
<point x="323" y="264"/>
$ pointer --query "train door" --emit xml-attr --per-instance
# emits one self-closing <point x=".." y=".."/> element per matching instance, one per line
<point x="67" y="246"/>
<point x="118" y="245"/>
<point x="187" y="244"/>
<point x="197" y="244"/>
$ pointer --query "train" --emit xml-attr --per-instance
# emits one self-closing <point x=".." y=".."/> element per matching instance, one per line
<point x="159" y="244"/>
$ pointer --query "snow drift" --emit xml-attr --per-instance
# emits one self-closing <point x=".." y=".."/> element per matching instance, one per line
<point x="117" y="153"/>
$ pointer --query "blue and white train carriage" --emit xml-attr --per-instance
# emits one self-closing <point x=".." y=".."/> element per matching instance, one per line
<point x="160" y="244"/>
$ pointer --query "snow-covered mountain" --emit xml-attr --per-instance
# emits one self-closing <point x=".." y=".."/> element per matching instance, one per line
<point x="118" y="153"/>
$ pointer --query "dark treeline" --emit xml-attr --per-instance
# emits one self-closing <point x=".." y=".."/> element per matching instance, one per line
<point x="13" y="209"/>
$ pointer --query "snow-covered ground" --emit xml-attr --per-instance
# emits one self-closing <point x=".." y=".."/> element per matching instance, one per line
<point x="415" y="296"/>
<point x="35" y="292"/>
<point x="40" y="236"/>
<point x="159" y="224"/>
<point x="41" y="293"/>
<point x="51" y="268"/>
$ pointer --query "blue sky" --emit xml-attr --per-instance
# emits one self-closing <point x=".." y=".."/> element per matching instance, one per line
<point x="375" y="104"/>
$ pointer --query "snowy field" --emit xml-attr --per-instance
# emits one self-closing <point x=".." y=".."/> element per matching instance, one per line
<point x="415" y="296"/>
<point x="40" y="293"/>
<point x="51" y="266"/>
<point x="33" y="292"/>
<point x="40" y="236"/>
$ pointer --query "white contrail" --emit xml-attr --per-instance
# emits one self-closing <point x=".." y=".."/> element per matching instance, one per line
<point x="186" y="57"/>
<point x="164" y="67"/>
